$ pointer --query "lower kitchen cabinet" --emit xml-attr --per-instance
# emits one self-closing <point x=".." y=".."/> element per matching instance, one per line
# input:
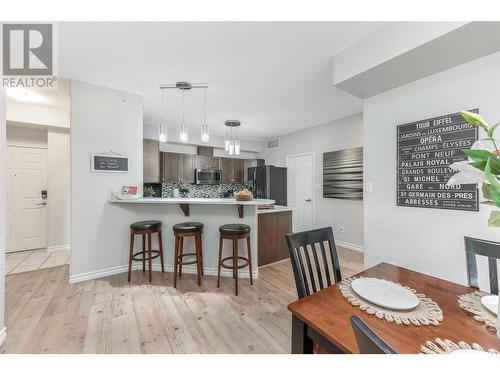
<point x="272" y="228"/>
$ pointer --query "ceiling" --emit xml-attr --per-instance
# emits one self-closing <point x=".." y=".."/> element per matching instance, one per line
<point x="275" y="77"/>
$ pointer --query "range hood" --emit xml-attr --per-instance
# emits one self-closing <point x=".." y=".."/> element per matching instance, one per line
<point x="205" y="151"/>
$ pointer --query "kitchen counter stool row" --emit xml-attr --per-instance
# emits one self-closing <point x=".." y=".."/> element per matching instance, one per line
<point x="232" y="232"/>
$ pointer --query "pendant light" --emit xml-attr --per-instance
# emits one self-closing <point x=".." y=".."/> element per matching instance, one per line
<point x="162" y="136"/>
<point x="205" y="136"/>
<point x="183" y="131"/>
<point x="226" y="142"/>
<point x="232" y="144"/>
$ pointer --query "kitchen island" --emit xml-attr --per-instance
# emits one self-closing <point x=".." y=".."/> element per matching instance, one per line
<point x="212" y="212"/>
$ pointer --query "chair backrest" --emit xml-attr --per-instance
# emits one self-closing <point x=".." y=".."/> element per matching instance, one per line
<point x="314" y="266"/>
<point x="368" y="341"/>
<point x="489" y="249"/>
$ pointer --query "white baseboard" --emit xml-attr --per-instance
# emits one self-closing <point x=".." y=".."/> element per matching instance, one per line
<point x="349" y="246"/>
<point x="245" y="274"/>
<point x="58" y="247"/>
<point x="3" y="335"/>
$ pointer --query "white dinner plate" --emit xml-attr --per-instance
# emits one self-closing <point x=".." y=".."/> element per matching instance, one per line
<point x="385" y="293"/>
<point x="491" y="303"/>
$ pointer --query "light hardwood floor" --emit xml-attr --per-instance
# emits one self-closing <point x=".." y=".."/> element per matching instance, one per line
<point x="44" y="314"/>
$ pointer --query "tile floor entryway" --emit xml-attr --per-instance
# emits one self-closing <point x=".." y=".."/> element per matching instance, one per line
<point x="31" y="260"/>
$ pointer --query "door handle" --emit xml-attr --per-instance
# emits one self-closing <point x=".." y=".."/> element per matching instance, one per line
<point x="42" y="204"/>
<point x="308" y="200"/>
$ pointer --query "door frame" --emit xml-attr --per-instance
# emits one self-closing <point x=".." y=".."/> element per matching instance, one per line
<point x="39" y="147"/>
<point x="312" y="153"/>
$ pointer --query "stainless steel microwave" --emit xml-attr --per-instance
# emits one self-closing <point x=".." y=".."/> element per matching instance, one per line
<point x="208" y="176"/>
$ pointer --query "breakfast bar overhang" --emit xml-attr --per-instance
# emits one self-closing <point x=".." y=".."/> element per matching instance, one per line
<point x="211" y="212"/>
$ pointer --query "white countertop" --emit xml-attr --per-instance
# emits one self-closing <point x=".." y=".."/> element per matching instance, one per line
<point x="222" y="201"/>
<point x="274" y="210"/>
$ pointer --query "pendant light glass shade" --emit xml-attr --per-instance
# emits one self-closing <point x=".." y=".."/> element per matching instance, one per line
<point x="183" y="131"/>
<point x="162" y="136"/>
<point x="232" y="143"/>
<point x="205" y="136"/>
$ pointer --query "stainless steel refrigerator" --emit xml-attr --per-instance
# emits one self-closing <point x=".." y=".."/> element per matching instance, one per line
<point x="268" y="182"/>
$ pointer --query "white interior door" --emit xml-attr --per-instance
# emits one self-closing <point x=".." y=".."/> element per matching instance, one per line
<point x="26" y="211"/>
<point x="300" y="185"/>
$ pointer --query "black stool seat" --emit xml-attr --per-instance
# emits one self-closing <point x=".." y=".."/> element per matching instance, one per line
<point x="146" y="225"/>
<point x="234" y="229"/>
<point x="187" y="227"/>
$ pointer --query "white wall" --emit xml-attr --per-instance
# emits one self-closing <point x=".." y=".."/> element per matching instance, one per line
<point x="58" y="156"/>
<point x="26" y="135"/>
<point x="336" y="135"/>
<point x="2" y="217"/>
<point x="426" y="240"/>
<point x="102" y="119"/>
<point x="53" y="111"/>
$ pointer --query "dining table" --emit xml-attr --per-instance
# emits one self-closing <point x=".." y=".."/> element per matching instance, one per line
<point x="324" y="317"/>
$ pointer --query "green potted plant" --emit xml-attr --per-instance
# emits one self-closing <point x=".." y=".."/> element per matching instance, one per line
<point x="483" y="166"/>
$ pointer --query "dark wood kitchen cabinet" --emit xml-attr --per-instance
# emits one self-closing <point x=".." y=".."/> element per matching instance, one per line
<point x="151" y="160"/>
<point x="272" y="227"/>
<point x="233" y="170"/>
<point x="177" y="167"/>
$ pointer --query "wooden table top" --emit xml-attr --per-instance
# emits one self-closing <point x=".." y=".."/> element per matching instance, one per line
<point x="329" y="314"/>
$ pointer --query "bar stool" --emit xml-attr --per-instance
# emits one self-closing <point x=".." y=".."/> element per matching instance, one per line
<point x="181" y="231"/>
<point x="234" y="232"/>
<point x="145" y="228"/>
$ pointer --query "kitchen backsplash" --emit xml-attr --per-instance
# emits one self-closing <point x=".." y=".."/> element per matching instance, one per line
<point x="201" y="191"/>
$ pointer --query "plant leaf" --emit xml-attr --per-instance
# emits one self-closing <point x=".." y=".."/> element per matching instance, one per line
<point x="494" y="220"/>
<point x="486" y="191"/>
<point x="494" y="164"/>
<point x="494" y="185"/>
<point x="474" y="119"/>
<point x="479" y="164"/>
<point x="492" y="129"/>
<point x="478" y="155"/>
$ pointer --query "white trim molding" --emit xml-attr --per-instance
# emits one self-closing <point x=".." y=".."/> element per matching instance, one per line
<point x="58" y="248"/>
<point x="245" y="274"/>
<point x="3" y="335"/>
<point x="350" y="246"/>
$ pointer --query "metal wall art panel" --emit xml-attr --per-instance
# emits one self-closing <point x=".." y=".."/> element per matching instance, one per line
<point x="343" y="174"/>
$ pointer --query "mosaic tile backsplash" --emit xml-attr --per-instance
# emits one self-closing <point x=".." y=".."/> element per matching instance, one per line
<point x="201" y="191"/>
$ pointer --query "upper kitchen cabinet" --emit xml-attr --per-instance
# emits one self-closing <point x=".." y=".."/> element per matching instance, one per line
<point x="210" y="162"/>
<point x="187" y="165"/>
<point x="233" y="170"/>
<point x="177" y="167"/>
<point x="151" y="160"/>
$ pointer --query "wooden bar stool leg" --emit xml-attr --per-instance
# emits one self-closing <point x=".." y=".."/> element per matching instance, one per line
<point x="235" y="265"/>
<point x="201" y="254"/>
<point x="150" y="257"/>
<point x="219" y="263"/>
<point x="131" y="254"/>
<point x="249" y="249"/>
<point x="197" y="240"/>
<point x="160" y="244"/>
<point x="181" y="252"/>
<point x="176" y="260"/>
<point x="143" y="253"/>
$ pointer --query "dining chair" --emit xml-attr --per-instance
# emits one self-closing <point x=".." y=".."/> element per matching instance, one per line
<point x="489" y="249"/>
<point x="314" y="266"/>
<point x="368" y="341"/>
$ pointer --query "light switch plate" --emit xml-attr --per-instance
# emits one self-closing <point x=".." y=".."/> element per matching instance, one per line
<point x="369" y="187"/>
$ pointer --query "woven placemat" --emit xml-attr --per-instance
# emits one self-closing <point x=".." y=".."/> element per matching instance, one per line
<point x="471" y="302"/>
<point x="439" y="346"/>
<point x="427" y="312"/>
